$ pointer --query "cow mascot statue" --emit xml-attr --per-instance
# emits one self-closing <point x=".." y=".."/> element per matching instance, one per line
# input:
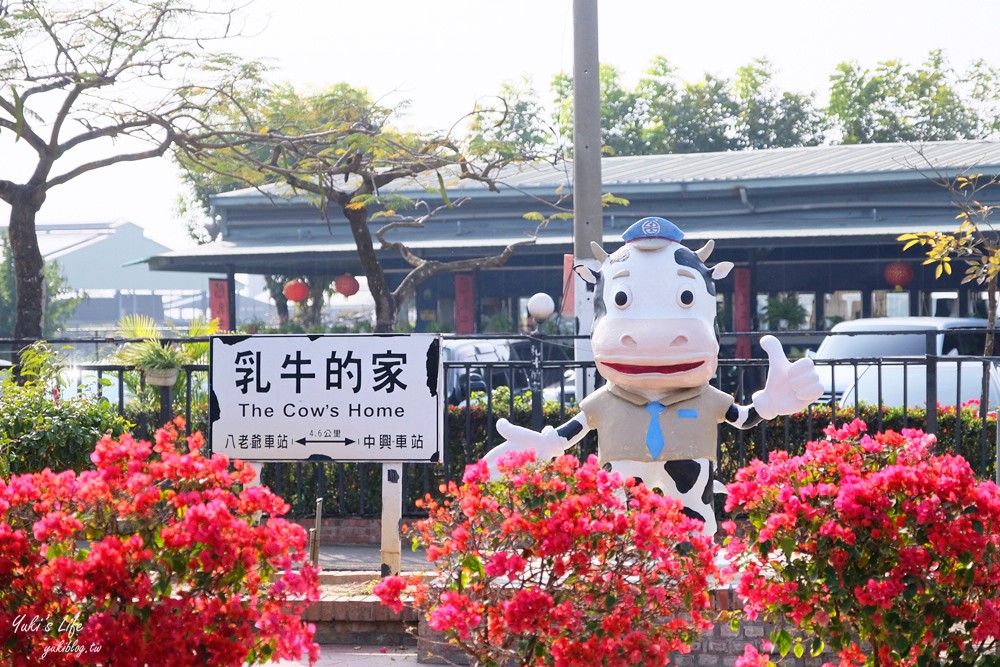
<point x="655" y="342"/>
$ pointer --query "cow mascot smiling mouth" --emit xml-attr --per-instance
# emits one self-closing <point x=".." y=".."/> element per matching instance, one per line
<point x="654" y="341"/>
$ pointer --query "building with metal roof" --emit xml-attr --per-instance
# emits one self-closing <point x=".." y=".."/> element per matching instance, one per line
<point x="94" y="259"/>
<point x="819" y="222"/>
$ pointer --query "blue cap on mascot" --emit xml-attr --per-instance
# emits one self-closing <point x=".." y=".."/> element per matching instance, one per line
<point x="653" y="229"/>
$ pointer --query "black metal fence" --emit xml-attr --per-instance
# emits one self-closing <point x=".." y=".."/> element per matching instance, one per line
<point x="533" y="382"/>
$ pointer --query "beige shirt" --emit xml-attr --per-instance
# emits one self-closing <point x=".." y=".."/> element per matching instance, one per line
<point x="689" y="423"/>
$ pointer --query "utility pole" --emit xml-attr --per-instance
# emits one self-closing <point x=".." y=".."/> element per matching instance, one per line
<point x="588" y="222"/>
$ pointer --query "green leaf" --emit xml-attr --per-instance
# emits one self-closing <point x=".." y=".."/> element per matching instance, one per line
<point x="788" y="546"/>
<point x="473" y="565"/>
<point x="444" y="190"/>
<point x="799" y="650"/>
<point x="817" y="647"/>
<point x="783" y="641"/>
<point x="18" y="114"/>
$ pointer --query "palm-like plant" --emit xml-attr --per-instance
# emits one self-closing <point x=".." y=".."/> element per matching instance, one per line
<point x="149" y="353"/>
<point x="154" y="356"/>
<point x="153" y="353"/>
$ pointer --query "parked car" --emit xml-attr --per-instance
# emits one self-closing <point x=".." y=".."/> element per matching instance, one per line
<point x="853" y="344"/>
<point x="472" y="368"/>
<point x="905" y="384"/>
<point x="564" y="390"/>
<point x="483" y="364"/>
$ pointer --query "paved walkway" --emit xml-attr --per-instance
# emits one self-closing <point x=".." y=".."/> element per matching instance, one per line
<point x="352" y="557"/>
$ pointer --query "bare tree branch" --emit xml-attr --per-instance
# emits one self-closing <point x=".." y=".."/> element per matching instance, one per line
<point x="158" y="151"/>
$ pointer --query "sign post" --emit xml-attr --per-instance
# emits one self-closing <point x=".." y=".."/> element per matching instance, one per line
<point x="392" y="512"/>
<point x="342" y="398"/>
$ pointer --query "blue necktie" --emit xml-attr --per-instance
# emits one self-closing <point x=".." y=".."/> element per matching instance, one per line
<point x="654" y="436"/>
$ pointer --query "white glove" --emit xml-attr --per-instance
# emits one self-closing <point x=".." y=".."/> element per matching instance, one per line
<point x="789" y="387"/>
<point x="548" y="444"/>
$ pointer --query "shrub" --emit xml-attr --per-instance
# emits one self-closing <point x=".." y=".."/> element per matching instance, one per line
<point x="154" y="558"/>
<point x="549" y="566"/>
<point x="44" y="427"/>
<point x="871" y="539"/>
<point x="959" y="431"/>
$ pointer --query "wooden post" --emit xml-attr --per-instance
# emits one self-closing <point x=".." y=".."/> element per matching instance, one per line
<point x="392" y="512"/>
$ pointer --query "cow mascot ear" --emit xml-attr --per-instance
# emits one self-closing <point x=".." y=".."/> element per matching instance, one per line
<point x="721" y="270"/>
<point x="589" y="275"/>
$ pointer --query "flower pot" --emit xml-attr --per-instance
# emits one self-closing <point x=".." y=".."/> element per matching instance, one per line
<point x="161" y="377"/>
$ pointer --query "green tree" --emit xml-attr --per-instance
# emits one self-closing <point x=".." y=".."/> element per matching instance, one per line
<point x="60" y="299"/>
<point x="895" y="102"/>
<point x="622" y="116"/>
<point x="769" y="118"/>
<point x="890" y="103"/>
<point x="664" y="114"/>
<point x="524" y="128"/>
<point x="87" y="85"/>
<point x="339" y="147"/>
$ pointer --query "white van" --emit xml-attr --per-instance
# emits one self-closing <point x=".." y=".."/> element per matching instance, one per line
<point x="854" y="344"/>
<point x="898" y="384"/>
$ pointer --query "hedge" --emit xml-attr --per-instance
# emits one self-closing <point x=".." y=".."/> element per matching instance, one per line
<point x="354" y="489"/>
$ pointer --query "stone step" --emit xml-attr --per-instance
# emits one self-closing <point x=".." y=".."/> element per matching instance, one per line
<point x="347" y="613"/>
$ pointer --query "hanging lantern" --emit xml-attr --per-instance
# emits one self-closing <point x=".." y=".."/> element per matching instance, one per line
<point x="346" y="285"/>
<point x="898" y="274"/>
<point x="295" y="290"/>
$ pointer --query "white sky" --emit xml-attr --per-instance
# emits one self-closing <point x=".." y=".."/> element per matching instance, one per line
<point x="445" y="54"/>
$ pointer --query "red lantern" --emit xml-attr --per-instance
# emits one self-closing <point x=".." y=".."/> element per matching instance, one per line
<point x="346" y="285"/>
<point x="295" y="290"/>
<point x="898" y="274"/>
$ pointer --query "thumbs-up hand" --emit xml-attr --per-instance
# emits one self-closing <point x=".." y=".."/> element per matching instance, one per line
<point x="789" y="387"/>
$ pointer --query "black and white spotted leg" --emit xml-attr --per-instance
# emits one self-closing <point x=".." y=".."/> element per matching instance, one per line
<point x="690" y="481"/>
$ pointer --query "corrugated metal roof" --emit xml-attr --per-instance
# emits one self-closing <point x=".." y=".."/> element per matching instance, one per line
<point x="816" y="163"/>
<point x="806" y="162"/>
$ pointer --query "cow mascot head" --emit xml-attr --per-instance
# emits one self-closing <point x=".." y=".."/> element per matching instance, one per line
<point x="655" y="342"/>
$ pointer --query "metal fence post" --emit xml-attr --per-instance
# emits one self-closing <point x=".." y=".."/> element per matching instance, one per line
<point x="540" y="307"/>
<point x="536" y="380"/>
<point x="931" y="341"/>
<point x="166" y="405"/>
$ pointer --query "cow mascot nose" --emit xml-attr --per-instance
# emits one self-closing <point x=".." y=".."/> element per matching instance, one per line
<point x="654" y="343"/>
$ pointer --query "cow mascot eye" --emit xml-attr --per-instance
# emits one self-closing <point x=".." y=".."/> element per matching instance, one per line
<point x="685" y="297"/>
<point x="623" y="297"/>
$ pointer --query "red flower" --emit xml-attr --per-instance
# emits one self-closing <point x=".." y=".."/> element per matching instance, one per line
<point x="551" y="558"/>
<point x="148" y="574"/>
<point x="871" y="537"/>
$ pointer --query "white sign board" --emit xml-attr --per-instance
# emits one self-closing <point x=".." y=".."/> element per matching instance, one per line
<point x="327" y="397"/>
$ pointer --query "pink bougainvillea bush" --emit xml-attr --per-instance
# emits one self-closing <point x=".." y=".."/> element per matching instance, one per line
<point x="548" y="566"/>
<point x="154" y="558"/>
<point x="871" y="538"/>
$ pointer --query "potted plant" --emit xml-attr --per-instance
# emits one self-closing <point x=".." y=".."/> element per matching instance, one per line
<point x="159" y="362"/>
<point x="784" y="311"/>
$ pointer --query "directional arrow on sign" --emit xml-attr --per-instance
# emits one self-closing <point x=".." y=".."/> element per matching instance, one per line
<point x="341" y="441"/>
